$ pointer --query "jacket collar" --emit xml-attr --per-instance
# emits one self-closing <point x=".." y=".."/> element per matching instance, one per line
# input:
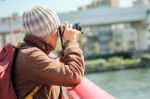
<point x="38" y="42"/>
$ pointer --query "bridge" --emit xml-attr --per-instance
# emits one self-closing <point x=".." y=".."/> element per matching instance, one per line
<point x="102" y="16"/>
<point x="90" y="17"/>
<point x="98" y="16"/>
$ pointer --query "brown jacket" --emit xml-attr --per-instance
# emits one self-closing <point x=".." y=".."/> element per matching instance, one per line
<point x="34" y="67"/>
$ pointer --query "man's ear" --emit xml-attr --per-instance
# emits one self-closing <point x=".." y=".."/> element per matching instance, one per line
<point x="46" y="38"/>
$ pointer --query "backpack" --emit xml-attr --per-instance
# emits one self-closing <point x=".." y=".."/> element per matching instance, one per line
<point x="8" y="55"/>
<point x="6" y="60"/>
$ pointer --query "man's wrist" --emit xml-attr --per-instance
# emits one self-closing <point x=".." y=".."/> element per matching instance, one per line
<point x="69" y="43"/>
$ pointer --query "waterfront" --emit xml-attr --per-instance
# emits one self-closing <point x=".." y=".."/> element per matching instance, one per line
<point x="126" y="84"/>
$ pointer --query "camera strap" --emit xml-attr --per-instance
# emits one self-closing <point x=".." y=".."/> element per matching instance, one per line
<point x="61" y="40"/>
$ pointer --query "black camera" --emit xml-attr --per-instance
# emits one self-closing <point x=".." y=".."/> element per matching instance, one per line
<point x="76" y="26"/>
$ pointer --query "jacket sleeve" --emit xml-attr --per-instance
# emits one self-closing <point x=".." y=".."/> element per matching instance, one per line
<point x="49" y="71"/>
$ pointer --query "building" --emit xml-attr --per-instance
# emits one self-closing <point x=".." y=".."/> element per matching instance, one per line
<point x="106" y="30"/>
<point x="142" y="2"/>
<point x="11" y="29"/>
<point x="125" y="38"/>
<point x="100" y="4"/>
<point x="98" y="39"/>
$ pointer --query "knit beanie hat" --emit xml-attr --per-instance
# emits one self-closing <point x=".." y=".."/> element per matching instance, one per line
<point x="40" y="21"/>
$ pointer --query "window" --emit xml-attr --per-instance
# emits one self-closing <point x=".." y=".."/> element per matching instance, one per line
<point x="118" y="43"/>
<point x="131" y="43"/>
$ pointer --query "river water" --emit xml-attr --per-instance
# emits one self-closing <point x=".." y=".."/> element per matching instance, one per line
<point x="127" y="84"/>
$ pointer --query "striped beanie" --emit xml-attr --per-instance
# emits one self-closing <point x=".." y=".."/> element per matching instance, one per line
<point x="40" y="21"/>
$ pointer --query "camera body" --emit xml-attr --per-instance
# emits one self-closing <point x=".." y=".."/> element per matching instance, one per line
<point x="77" y="26"/>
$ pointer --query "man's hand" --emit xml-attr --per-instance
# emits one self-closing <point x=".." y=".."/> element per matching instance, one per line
<point x="70" y="33"/>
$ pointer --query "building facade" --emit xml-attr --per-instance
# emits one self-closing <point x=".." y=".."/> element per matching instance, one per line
<point x="106" y="30"/>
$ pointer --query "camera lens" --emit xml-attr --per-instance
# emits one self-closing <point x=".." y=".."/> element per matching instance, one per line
<point x="77" y="26"/>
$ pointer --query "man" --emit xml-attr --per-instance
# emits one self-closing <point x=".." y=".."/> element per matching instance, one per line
<point x="33" y="66"/>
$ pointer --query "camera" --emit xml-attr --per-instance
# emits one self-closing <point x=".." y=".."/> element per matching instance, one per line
<point x="76" y="26"/>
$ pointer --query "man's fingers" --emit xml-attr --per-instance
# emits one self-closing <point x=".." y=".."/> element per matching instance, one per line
<point x="76" y="32"/>
<point x="66" y="24"/>
<point x="70" y="26"/>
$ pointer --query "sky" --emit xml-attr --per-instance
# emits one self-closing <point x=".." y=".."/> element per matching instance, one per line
<point x="7" y="7"/>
